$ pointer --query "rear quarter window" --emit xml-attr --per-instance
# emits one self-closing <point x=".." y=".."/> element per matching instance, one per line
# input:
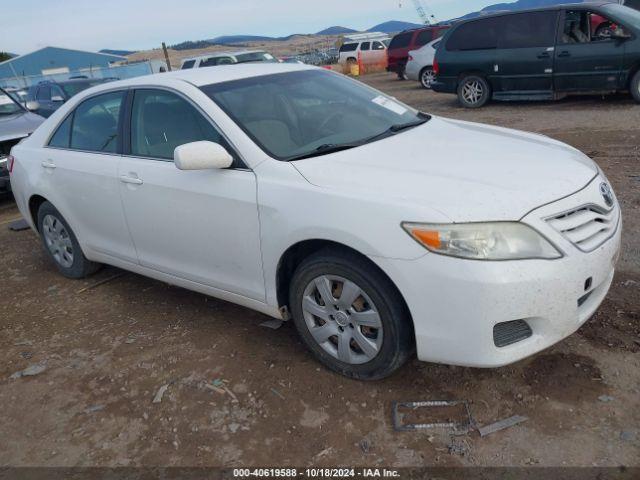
<point x="401" y="40"/>
<point x="476" y="35"/>
<point x="424" y="37"/>
<point x="349" y="47"/>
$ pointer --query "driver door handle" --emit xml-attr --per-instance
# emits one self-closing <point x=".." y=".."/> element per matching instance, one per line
<point x="131" y="180"/>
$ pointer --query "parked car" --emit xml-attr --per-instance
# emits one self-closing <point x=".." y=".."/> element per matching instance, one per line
<point x="302" y="193"/>
<point x="16" y="123"/>
<point x="420" y="64"/>
<point x="228" y="58"/>
<point x="404" y="42"/>
<point x="370" y="52"/>
<point x="51" y="95"/>
<point x="18" y="94"/>
<point x="541" y="54"/>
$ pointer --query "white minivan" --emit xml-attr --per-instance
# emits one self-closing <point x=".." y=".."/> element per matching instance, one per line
<point x="378" y="229"/>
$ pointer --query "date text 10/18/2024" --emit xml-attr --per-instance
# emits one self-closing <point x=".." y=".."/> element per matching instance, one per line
<point x="315" y="473"/>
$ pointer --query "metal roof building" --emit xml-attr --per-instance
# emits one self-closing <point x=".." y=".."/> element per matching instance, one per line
<point x="54" y="60"/>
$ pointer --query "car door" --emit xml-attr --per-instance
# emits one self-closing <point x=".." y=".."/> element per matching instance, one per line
<point x="584" y="61"/>
<point x="199" y="225"/>
<point x="524" y="57"/>
<point x="80" y="170"/>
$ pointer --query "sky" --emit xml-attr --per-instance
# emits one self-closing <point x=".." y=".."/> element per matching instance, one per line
<point x="144" y="24"/>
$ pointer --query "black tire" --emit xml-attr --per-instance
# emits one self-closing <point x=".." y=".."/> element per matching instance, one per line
<point x="79" y="266"/>
<point x="397" y="341"/>
<point x="635" y="87"/>
<point x="424" y="75"/>
<point x="468" y="99"/>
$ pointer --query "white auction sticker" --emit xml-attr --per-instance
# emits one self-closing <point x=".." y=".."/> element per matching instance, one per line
<point x="389" y="104"/>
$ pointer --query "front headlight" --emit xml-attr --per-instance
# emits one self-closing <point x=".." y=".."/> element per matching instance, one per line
<point x="483" y="241"/>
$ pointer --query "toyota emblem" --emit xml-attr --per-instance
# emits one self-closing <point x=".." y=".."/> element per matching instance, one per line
<point x="607" y="194"/>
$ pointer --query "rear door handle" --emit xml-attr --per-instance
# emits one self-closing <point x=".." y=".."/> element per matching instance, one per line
<point x="131" y="180"/>
<point x="48" y="164"/>
<point x="564" y="54"/>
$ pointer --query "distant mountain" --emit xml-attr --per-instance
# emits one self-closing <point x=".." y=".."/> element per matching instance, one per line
<point x="227" y="39"/>
<point x="122" y="53"/>
<point x="336" y="31"/>
<point x="394" y="26"/>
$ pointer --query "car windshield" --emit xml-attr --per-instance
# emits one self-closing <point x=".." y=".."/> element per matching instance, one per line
<point x="628" y="15"/>
<point x="308" y="113"/>
<point x="8" y="106"/>
<point x="73" y="88"/>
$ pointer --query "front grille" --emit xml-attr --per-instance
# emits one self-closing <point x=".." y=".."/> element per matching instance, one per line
<point x="508" y="333"/>
<point x="586" y="227"/>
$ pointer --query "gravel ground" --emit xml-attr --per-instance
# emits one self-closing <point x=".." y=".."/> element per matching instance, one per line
<point x="236" y="393"/>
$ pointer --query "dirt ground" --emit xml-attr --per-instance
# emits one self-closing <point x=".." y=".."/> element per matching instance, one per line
<point x="242" y="394"/>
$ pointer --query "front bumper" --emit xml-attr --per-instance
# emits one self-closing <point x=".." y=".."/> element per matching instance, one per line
<point x="456" y="303"/>
<point x="445" y="85"/>
<point x="5" y="184"/>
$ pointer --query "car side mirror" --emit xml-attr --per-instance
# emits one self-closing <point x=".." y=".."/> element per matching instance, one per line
<point x="201" y="155"/>
<point x="57" y="99"/>
<point x="32" y="105"/>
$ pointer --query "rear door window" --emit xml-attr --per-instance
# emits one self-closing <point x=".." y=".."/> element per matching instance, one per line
<point x="162" y="121"/>
<point x="95" y="123"/>
<point x="527" y="30"/>
<point x="188" y="64"/>
<point x="365" y="46"/>
<point x="349" y="47"/>
<point x="475" y="35"/>
<point x="424" y="37"/>
<point x="401" y="40"/>
<point x="62" y="137"/>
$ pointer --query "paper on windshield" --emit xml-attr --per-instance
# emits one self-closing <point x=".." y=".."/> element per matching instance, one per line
<point x="389" y="104"/>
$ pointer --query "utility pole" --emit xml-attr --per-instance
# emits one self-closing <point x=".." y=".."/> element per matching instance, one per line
<point x="166" y="56"/>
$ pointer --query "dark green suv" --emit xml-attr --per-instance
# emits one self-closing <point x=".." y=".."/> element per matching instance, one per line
<point x="542" y="54"/>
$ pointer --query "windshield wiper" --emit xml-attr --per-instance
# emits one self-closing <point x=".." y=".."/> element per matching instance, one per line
<point x="325" y="149"/>
<point x="328" y="148"/>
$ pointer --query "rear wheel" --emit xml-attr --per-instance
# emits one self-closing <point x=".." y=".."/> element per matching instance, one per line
<point x="427" y="77"/>
<point x="350" y="316"/>
<point x="473" y="91"/>
<point x="62" y="245"/>
<point x="635" y="87"/>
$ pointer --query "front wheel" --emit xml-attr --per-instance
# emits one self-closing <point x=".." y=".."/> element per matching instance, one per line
<point x="427" y="77"/>
<point x="474" y="91"/>
<point x="350" y="316"/>
<point x="62" y="245"/>
<point x="635" y="87"/>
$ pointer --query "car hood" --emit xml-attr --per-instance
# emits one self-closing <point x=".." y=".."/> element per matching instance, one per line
<point x="466" y="171"/>
<point x="18" y="125"/>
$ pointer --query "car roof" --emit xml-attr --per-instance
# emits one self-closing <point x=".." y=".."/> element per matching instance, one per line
<point x="205" y="76"/>
<point x="222" y="54"/>
<point x="560" y="6"/>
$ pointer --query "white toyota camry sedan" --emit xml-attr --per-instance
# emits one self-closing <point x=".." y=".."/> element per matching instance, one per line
<point x="378" y="229"/>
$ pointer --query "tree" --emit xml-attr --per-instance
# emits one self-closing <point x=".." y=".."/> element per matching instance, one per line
<point x="4" y="56"/>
